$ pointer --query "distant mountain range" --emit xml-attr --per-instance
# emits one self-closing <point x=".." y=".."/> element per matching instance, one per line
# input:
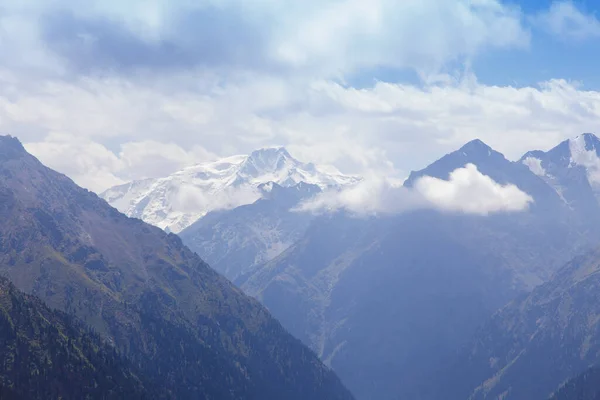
<point x="426" y="303"/>
<point x="387" y="300"/>
<point x="176" y="201"/>
<point x="183" y="326"/>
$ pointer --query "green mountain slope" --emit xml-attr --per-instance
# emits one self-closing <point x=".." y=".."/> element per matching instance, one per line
<point x="47" y="355"/>
<point x="139" y="287"/>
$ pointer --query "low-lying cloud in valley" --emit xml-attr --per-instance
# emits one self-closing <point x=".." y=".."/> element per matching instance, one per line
<point x="466" y="191"/>
<point x="471" y="192"/>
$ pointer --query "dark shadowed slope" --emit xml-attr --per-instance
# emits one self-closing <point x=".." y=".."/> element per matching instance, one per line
<point x="537" y="342"/>
<point x="585" y="386"/>
<point x="160" y="304"/>
<point x="48" y="355"/>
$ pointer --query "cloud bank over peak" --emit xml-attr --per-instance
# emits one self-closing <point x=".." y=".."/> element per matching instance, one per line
<point x="471" y="192"/>
<point x="372" y="195"/>
<point x="137" y="89"/>
<point x="466" y="191"/>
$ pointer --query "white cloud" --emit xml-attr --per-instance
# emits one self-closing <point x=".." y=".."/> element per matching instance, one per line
<point x="373" y="195"/>
<point x="191" y="199"/>
<point x="467" y="191"/>
<point x="152" y="159"/>
<point x="352" y="34"/>
<point x="89" y="164"/>
<point x="535" y="165"/>
<point x="322" y="37"/>
<point x="471" y="192"/>
<point x="564" y="19"/>
<point x="93" y="166"/>
<point x="387" y="128"/>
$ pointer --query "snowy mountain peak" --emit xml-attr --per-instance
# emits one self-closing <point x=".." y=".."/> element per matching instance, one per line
<point x="590" y="140"/>
<point x="268" y="160"/>
<point x="572" y="168"/>
<point x="584" y="150"/>
<point x="178" y="200"/>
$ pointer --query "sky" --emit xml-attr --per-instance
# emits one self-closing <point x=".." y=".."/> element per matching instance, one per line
<point x="112" y="91"/>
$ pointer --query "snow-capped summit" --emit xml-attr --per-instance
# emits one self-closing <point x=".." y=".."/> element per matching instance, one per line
<point x="572" y="168"/>
<point x="178" y="200"/>
<point x="582" y="150"/>
<point x="266" y="160"/>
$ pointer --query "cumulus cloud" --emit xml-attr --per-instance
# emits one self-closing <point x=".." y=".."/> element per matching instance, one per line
<point x="152" y="159"/>
<point x="466" y="191"/>
<point x="565" y="20"/>
<point x="375" y="128"/>
<point x="192" y="199"/>
<point x="471" y="192"/>
<point x="164" y="84"/>
<point x="371" y="196"/>
<point x="324" y="37"/>
<point x="95" y="167"/>
<point x="89" y="164"/>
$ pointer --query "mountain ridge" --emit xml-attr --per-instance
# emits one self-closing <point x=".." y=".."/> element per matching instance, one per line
<point x="177" y="201"/>
<point x="143" y="290"/>
<point x="344" y="287"/>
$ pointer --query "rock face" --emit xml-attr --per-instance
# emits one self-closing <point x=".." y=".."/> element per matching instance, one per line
<point x="177" y="201"/>
<point x="235" y="242"/>
<point x="144" y="291"/>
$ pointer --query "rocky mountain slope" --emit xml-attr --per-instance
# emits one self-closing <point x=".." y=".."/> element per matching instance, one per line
<point x="572" y="169"/>
<point x="176" y="201"/>
<point x="141" y="289"/>
<point x="236" y="241"/>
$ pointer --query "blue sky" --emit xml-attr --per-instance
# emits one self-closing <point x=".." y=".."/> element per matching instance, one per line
<point x="110" y="91"/>
<point x="550" y="54"/>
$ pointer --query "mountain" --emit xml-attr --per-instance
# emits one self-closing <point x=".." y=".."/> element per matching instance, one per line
<point x="493" y="164"/>
<point x="47" y="354"/>
<point x="536" y="342"/>
<point x="167" y="311"/>
<point x="385" y="300"/>
<point x="572" y="169"/>
<point x="585" y="386"/>
<point x="178" y="200"/>
<point x="235" y="241"/>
